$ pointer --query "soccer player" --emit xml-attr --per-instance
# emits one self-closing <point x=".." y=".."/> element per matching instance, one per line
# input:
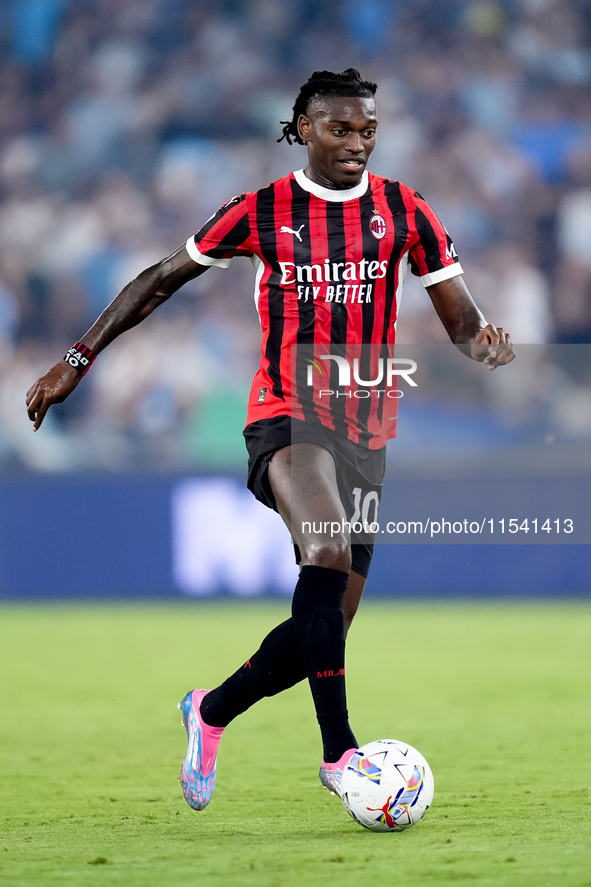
<point x="330" y="244"/>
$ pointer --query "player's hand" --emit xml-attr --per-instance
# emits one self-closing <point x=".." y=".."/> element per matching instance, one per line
<point x="492" y="346"/>
<point x="51" y="388"/>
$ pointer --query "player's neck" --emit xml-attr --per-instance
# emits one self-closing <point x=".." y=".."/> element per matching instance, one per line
<point x="332" y="195"/>
<point x="325" y="182"/>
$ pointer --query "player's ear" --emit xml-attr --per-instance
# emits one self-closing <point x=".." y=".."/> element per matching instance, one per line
<point x="304" y="127"/>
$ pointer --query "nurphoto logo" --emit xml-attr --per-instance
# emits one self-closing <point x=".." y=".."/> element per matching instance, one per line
<point x="387" y="369"/>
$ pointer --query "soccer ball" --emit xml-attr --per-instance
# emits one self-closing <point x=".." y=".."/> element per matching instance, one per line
<point x="387" y="786"/>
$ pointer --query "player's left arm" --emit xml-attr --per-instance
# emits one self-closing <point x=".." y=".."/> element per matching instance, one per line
<point x="135" y="303"/>
<point x="466" y="325"/>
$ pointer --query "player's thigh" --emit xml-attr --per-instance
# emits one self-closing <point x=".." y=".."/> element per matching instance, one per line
<point x="304" y="482"/>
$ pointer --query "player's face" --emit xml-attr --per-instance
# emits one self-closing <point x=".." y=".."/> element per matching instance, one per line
<point x="340" y="134"/>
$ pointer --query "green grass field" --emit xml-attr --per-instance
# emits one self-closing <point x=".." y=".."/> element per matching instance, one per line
<point x="495" y="695"/>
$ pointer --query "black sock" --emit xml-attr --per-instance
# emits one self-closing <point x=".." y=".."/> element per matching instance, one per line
<point x="314" y="636"/>
<point x="317" y="612"/>
<point x="276" y="666"/>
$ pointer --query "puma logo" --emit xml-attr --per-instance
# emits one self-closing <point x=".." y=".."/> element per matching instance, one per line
<point x="286" y="230"/>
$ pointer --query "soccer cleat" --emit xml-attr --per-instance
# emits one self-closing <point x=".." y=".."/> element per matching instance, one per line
<point x="197" y="777"/>
<point x="330" y="775"/>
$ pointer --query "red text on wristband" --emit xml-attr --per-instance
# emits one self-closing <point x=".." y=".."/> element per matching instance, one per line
<point x="80" y="357"/>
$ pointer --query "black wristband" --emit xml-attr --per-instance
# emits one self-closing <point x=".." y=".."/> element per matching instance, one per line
<point x="80" y="357"/>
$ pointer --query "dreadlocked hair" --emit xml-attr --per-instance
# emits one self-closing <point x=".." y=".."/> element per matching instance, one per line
<point x="345" y="83"/>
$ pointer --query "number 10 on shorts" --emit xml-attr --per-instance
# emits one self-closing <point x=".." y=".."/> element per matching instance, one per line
<point x="365" y="516"/>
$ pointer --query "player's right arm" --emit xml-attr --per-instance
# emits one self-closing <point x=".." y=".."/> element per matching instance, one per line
<point x="135" y="302"/>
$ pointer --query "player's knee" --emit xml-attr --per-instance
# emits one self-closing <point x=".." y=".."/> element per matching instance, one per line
<point x="332" y="555"/>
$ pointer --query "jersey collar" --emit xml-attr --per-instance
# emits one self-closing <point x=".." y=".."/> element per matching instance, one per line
<point x="330" y="194"/>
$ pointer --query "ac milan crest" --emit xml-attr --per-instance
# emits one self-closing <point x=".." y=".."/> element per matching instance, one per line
<point x="377" y="226"/>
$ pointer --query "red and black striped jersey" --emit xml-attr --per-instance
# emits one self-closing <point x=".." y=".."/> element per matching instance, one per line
<point x="329" y="272"/>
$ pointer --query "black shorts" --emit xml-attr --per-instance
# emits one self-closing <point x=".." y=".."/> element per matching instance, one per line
<point x="360" y="472"/>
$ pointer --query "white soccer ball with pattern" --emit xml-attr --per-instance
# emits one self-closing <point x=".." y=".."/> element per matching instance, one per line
<point x="387" y="786"/>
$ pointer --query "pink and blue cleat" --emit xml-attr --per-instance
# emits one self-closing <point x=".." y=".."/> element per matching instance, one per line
<point x="330" y="775"/>
<point x="198" y="771"/>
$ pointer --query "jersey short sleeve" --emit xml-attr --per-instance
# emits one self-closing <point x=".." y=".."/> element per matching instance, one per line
<point x="433" y="256"/>
<point x="224" y="235"/>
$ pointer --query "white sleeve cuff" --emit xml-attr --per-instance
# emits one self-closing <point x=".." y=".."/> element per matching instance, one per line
<point x="442" y="274"/>
<point x="202" y="259"/>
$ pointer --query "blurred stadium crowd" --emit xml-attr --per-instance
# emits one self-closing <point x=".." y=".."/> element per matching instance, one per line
<point x="124" y="125"/>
